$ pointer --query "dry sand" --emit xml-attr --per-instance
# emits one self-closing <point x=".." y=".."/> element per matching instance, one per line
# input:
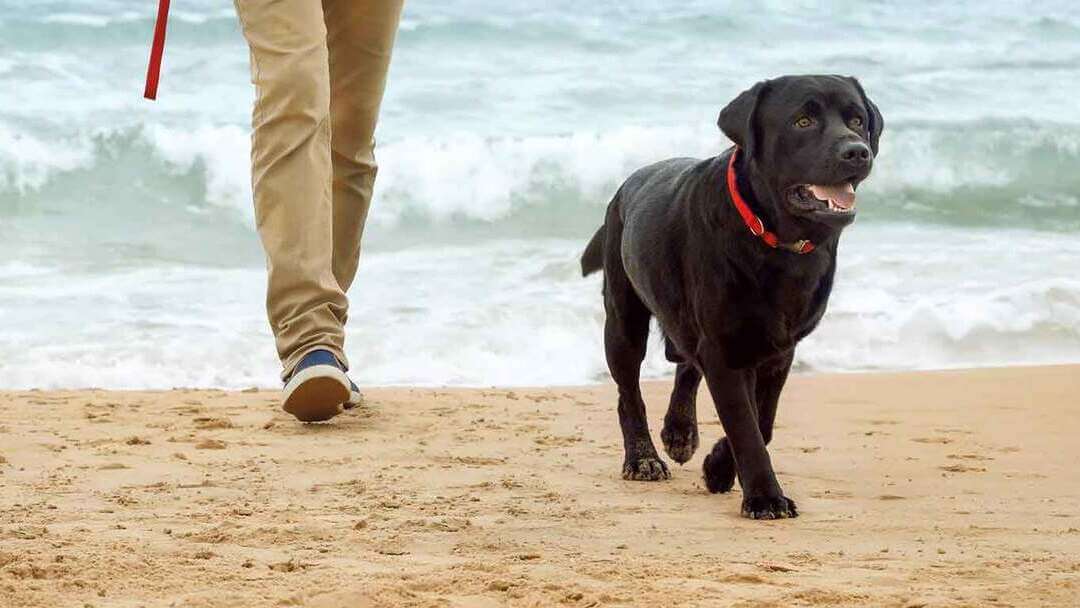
<point x="929" y="489"/>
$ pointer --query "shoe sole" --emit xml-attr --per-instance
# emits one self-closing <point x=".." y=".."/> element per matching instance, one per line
<point x="317" y="393"/>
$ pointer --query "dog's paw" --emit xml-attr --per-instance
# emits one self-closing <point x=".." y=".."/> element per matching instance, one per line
<point x="645" y="469"/>
<point x="769" y="507"/>
<point x="680" y="441"/>
<point x="719" y="468"/>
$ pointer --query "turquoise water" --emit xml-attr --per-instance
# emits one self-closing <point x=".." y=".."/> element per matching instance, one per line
<point x="130" y="258"/>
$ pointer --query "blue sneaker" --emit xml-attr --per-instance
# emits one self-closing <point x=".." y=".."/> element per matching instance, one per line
<point x="317" y="389"/>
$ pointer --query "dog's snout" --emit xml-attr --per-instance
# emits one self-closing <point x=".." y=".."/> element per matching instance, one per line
<point x="855" y="154"/>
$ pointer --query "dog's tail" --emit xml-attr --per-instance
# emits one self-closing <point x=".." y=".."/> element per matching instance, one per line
<point x="593" y="258"/>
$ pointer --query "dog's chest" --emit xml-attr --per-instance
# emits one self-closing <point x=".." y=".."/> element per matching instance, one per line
<point x="771" y="316"/>
<point x="797" y="313"/>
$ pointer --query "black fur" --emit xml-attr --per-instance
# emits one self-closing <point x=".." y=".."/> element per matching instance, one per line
<point x="732" y="309"/>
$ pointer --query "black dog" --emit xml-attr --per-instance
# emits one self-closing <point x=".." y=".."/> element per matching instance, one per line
<point x="734" y="256"/>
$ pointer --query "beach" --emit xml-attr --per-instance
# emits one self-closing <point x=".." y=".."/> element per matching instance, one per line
<point x="953" y="488"/>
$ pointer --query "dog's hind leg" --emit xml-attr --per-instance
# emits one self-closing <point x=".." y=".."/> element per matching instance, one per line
<point x="626" y="332"/>
<point x="680" y="432"/>
<point x="625" y="335"/>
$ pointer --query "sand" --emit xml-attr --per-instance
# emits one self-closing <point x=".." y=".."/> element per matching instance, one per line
<point x="923" y="489"/>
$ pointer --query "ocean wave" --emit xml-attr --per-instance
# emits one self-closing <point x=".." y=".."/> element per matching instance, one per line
<point x="517" y="312"/>
<point x="595" y="26"/>
<point x="102" y="21"/>
<point x="986" y="173"/>
<point x="920" y="297"/>
<point x="1032" y="322"/>
<point x="89" y="20"/>
<point x="28" y="162"/>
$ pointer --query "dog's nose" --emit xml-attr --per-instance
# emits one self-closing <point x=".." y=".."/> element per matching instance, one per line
<point x="855" y="153"/>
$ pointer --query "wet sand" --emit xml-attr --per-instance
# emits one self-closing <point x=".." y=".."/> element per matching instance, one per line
<point x="916" y="489"/>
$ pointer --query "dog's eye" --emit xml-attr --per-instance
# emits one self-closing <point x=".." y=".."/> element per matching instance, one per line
<point x="803" y="122"/>
<point x="856" y="122"/>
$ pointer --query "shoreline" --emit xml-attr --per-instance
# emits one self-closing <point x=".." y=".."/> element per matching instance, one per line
<point x="930" y="488"/>
<point x="540" y="387"/>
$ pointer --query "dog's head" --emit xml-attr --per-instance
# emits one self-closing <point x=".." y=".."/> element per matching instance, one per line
<point x="811" y="139"/>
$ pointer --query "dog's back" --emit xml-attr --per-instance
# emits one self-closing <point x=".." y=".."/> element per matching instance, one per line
<point x="653" y="186"/>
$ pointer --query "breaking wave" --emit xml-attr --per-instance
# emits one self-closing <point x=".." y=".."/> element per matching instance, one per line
<point x="972" y="174"/>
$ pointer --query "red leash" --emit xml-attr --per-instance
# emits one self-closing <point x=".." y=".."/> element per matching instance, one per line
<point x="753" y="222"/>
<point x="153" y="71"/>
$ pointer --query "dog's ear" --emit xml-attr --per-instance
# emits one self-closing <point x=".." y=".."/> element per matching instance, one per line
<point x="738" y="119"/>
<point x="875" y="122"/>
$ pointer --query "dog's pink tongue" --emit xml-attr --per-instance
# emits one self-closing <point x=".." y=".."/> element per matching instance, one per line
<point x="842" y="195"/>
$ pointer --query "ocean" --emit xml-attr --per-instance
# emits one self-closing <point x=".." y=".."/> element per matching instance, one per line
<point x="129" y="258"/>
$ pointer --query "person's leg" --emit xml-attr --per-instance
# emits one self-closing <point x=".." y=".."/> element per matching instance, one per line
<point x="291" y="177"/>
<point x="360" y="37"/>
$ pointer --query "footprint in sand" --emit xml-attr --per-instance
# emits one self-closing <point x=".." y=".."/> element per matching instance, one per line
<point x="206" y="423"/>
<point x="958" y="431"/>
<point x="941" y="440"/>
<point x="831" y="494"/>
<point x="968" y="457"/>
<point x="962" y="468"/>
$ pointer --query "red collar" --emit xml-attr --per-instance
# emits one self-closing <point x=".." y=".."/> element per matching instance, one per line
<point x="753" y="222"/>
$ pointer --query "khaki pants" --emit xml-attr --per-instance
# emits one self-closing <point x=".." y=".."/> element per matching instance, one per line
<point x="319" y="69"/>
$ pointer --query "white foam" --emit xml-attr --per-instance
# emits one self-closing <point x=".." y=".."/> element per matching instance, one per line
<point x="79" y="19"/>
<point x="15" y="270"/>
<point x="103" y="20"/>
<point x="925" y="298"/>
<point x="517" y="313"/>
<point x="943" y="159"/>
<point x="484" y="178"/>
<point x="468" y="176"/>
<point x="222" y="151"/>
<point x="462" y="176"/>
<point x="27" y="162"/>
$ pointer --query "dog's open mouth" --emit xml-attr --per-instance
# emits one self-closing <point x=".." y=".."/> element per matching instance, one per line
<point x="839" y="198"/>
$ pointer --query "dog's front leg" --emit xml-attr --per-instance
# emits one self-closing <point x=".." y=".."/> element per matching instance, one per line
<point x="771" y="377"/>
<point x="733" y="392"/>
